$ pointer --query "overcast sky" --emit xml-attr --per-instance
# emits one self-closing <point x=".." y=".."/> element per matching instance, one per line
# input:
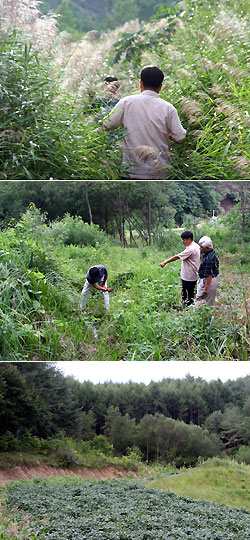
<point x="99" y="372"/>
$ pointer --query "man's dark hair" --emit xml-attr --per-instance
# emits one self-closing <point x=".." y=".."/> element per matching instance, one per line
<point x="110" y="79"/>
<point x="94" y="271"/>
<point x="152" y="77"/>
<point x="186" y="235"/>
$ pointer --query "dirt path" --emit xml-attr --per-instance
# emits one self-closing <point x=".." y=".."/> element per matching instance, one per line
<point x="43" y="471"/>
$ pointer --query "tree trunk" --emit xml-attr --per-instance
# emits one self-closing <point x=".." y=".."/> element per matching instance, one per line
<point x="121" y="218"/>
<point x="149" y="219"/>
<point x="89" y="207"/>
<point x="131" y="238"/>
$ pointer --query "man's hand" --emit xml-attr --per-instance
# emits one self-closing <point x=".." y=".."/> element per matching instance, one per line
<point x="174" y="258"/>
<point x="181" y="141"/>
<point x="91" y="93"/>
<point x="207" y="285"/>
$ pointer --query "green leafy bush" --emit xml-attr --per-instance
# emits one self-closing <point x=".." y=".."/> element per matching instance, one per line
<point x="243" y="455"/>
<point x="8" y="442"/>
<point x="100" y="444"/>
<point x="72" y="230"/>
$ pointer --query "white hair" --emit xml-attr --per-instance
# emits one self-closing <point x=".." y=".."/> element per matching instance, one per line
<point x="205" y="241"/>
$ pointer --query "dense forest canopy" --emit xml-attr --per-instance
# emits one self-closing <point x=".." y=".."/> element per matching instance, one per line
<point x="107" y="203"/>
<point x="104" y="202"/>
<point x="165" y="418"/>
<point x="85" y="15"/>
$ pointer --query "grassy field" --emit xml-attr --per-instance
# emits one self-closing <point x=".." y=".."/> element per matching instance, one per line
<point x="221" y="481"/>
<point x="41" y="281"/>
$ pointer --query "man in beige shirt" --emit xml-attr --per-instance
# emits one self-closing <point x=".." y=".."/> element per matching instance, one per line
<point x="190" y="258"/>
<point x="149" y="123"/>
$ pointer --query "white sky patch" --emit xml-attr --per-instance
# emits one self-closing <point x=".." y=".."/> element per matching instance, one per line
<point x="145" y="372"/>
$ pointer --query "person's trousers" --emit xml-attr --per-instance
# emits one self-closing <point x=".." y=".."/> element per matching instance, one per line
<point x="208" y="298"/>
<point x="187" y="292"/>
<point x="85" y="294"/>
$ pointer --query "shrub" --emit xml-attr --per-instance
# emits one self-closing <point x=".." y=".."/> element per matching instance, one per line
<point x="100" y="444"/>
<point x="169" y="240"/>
<point x="243" y="455"/>
<point x="73" y="230"/>
<point x="8" y="442"/>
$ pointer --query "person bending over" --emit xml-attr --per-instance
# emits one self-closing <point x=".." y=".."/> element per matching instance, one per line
<point x="96" y="278"/>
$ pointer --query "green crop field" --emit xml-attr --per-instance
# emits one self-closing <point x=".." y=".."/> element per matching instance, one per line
<point x="77" y="510"/>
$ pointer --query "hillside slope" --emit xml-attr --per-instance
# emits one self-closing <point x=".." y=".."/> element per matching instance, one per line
<point x="221" y="481"/>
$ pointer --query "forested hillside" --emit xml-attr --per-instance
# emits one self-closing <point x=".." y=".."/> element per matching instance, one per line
<point x="177" y="421"/>
<point x="129" y="228"/>
<point x="186" y="440"/>
<point x="85" y="15"/>
<point x="49" y="128"/>
<point x="113" y="205"/>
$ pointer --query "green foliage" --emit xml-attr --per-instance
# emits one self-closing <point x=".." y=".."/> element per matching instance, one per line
<point x="66" y="457"/>
<point x="104" y="14"/>
<point x="243" y="455"/>
<point x="72" y="230"/>
<point x="26" y="90"/>
<point x="120" y="509"/>
<point x="101" y="444"/>
<point x="175" y="422"/>
<point x="122" y="278"/>
<point x="130" y="47"/>
<point x="123" y="10"/>
<point x="8" y="442"/>
<point x="218" y="480"/>
<point x="41" y="281"/>
<point x="42" y="133"/>
<point x="67" y="20"/>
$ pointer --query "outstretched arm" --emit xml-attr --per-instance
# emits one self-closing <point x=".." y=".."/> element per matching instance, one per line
<point x="174" y="258"/>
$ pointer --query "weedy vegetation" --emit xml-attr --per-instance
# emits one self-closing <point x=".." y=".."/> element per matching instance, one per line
<point x="47" y="129"/>
<point x="42" y="276"/>
<point x="218" y="480"/>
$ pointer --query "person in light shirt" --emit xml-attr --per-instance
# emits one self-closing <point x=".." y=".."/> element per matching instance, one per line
<point x="190" y="258"/>
<point x="149" y="123"/>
